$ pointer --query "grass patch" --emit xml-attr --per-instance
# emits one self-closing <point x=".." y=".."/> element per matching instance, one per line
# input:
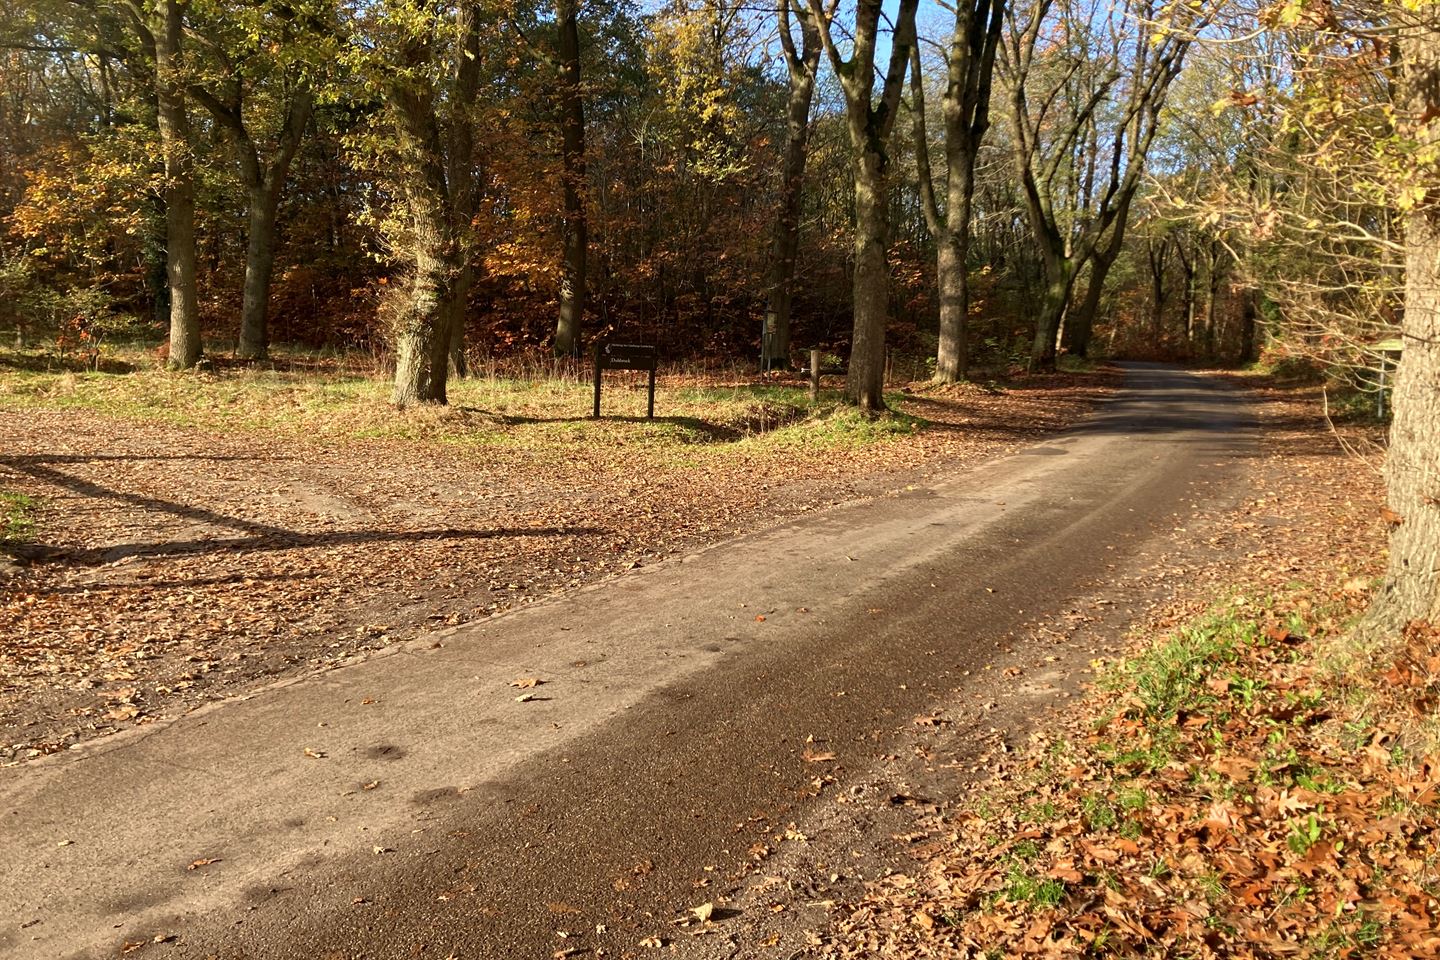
<point x="1177" y="674"/>
<point x="548" y="409"/>
<point x="1068" y="363"/>
<point x="17" y="519"/>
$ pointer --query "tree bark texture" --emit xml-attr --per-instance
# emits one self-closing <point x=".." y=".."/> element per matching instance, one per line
<point x="426" y="312"/>
<point x="1081" y="324"/>
<point x="259" y="267"/>
<point x="439" y="188"/>
<point x="1411" y="589"/>
<point x="1059" y="280"/>
<point x="865" y="379"/>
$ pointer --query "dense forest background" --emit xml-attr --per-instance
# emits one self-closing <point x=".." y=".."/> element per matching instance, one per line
<point x="1161" y="181"/>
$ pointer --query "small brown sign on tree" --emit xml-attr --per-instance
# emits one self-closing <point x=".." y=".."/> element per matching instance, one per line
<point x="626" y="356"/>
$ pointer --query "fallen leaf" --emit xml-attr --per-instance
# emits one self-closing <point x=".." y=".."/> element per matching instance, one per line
<point x="703" y="912"/>
<point x="525" y="683"/>
<point x="196" y="865"/>
<point x="821" y="757"/>
<point x="314" y="754"/>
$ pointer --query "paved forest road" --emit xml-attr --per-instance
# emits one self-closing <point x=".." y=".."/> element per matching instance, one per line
<point x="440" y="816"/>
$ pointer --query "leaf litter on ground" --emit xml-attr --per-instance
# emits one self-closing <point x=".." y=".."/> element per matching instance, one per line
<point x="183" y="554"/>
<point x="1253" y="781"/>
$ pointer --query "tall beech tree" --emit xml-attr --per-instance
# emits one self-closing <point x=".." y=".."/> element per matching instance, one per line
<point x="256" y="76"/>
<point x="160" y="28"/>
<point x="870" y="112"/>
<point x="430" y="87"/>
<point x="969" y="67"/>
<point x="1086" y="89"/>
<point x="801" y="68"/>
<point x="1411" y="589"/>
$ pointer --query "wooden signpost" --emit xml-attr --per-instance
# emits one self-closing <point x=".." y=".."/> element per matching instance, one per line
<point x="626" y="356"/>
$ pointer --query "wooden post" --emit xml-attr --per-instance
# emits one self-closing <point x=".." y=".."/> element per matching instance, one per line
<point x="597" y="381"/>
<point x="814" y="375"/>
<point x="650" y="406"/>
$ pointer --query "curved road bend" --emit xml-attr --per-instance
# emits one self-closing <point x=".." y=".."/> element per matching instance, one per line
<point x="669" y="734"/>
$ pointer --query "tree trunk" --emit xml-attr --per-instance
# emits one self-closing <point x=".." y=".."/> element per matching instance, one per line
<point x="573" y="285"/>
<point x="1411" y="589"/>
<point x="1212" y="297"/>
<point x="1081" y="323"/>
<point x="869" y="124"/>
<point x="1189" y="295"/>
<point x="952" y="283"/>
<point x="1247" y="328"/>
<point x="1047" y="326"/>
<point x="1156" y="258"/>
<point x="173" y="123"/>
<point x="259" y="266"/>
<point x="865" y="380"/>
<point x="425" y="319"/>
<point x="785" y="244"/>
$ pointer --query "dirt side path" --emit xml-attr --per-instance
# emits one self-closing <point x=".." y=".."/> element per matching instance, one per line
<point x="176" y="566"/>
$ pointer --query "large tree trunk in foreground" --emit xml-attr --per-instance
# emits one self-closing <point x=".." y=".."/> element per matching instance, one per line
<point x="969" y="71"/>
<point x="174" y="126"/>
<point x="423" y="327"/>
<point x="1079" y="327"/>
<point x="1411" y="590"/>
<point x="573" y="278"/>
<point x="439" y="187"/>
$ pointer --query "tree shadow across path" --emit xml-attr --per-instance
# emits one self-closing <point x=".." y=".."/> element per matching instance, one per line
<point x="259" y="536"/>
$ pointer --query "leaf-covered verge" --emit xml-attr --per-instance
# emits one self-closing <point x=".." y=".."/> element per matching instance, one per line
<point x="1253" y="782"/>
<point x="203" y="534"/>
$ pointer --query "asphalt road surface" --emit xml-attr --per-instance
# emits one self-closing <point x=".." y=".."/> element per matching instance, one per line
<point x="411" y="806"/>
